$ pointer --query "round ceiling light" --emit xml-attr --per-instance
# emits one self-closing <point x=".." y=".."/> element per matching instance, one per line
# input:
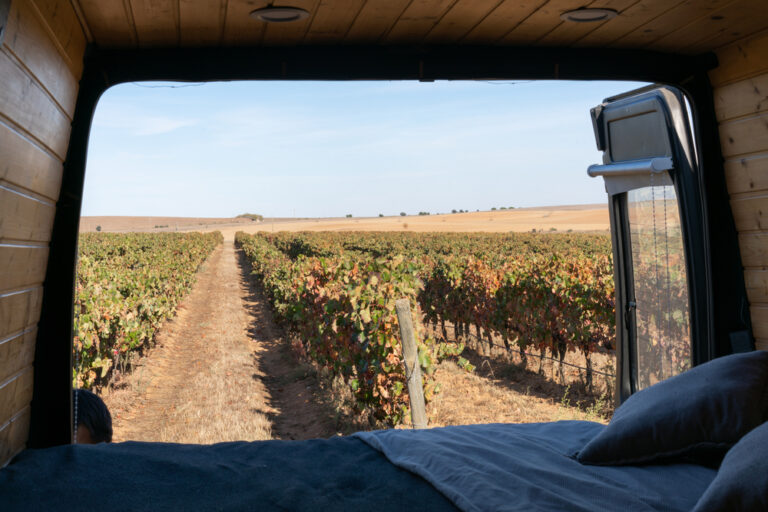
<point x="588" y="14"/>
<point x="279" y="14"/>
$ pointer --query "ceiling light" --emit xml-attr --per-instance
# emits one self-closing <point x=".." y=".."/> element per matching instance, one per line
<point x="588" y="14"/>
<point x="279" y="14"/>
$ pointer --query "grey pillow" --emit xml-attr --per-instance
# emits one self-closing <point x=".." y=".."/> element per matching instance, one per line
<point x="694" y="417"/>
<point x="742" y="480"/>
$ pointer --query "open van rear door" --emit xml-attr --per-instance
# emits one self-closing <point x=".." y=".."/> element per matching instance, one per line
<point x="648" y="162"/>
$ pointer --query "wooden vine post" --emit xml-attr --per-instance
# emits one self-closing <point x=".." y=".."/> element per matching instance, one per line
<point x="411" y="362"/>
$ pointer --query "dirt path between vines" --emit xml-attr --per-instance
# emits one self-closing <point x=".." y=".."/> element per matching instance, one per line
<point x="219" y="372"/>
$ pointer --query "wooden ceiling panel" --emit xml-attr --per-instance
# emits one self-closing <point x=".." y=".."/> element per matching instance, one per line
<point x="417" y="20"/>
<point x="375" y="20"/>
<point x="239" y="28"/>
<point x="684" y="26"/>
<point x="502" y="20"/>
<point x="110" y="22"/>
<point x="716" y="30"/>
<point x="672" y="20"/>
<point x="294" y="32"/>
<point x="460" y="20"/>
<point x="541" y="22"/>
<point x="566" y="34"/>
<point x="630" y="19"/>
<point x="333" y="20"/>
<point x="156" y="21"/>
<point x="201" y="24"/>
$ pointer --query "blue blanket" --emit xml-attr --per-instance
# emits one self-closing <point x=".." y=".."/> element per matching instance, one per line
<point x="528" y="467"/>
<point x="341" y="473"/>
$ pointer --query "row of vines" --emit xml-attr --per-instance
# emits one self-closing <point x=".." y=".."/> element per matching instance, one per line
<point x="127" y="285"/>
<point x="550" y="292"/>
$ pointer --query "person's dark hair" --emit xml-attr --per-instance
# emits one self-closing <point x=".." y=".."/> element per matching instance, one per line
<point x="92" y="413"/>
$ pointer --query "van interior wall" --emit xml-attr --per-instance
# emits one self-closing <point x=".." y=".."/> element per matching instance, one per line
<point x="740" y="85"/>
<point x="41" y="60"/>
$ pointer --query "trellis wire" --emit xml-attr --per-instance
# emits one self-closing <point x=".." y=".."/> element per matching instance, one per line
<point x="540" y="356"/>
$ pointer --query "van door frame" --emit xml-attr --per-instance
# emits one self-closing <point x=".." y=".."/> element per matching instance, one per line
<point x="51" y="422"/>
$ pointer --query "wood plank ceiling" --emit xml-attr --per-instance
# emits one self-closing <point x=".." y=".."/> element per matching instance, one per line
<point x="681" y="26"/>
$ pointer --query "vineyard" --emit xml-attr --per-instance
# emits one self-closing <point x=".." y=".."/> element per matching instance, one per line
<point x="127" y="285"/>
<point x="336" y="291"/>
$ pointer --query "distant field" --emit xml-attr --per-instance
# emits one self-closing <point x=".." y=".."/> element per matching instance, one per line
<point x="592" y="218"/>
<point x="116" y="224"/>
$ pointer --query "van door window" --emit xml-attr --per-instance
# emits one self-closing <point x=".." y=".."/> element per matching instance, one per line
<point x="647" y="155"/>
<point x="662" y="341"/>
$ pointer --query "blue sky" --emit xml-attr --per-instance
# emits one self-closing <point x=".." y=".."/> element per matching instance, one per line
<point x="315" y="149"/>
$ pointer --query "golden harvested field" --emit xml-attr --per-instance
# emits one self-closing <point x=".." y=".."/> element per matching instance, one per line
<point x="593" y="218"/>
<point x="117" y="224"/>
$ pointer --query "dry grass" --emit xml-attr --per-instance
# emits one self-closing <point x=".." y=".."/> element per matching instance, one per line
<point x="199" y="384"/>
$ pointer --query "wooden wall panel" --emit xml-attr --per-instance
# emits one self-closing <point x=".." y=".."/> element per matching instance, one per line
<point x="760" y="321"/>
<point x="741" y="61"/>
<point x="15" y="393"/>
<point x="19" y="309"/>
<point x="24" y="217"/>
<point x="41" y="60"/>
<point x="751" y="214"/>
<point x="25" y="103"/>
<point x="27" y="37"/>
<point x="753" y="246"/>
<point x="743" y="98"/>
<point x="13" y="435"/>
<point x="741" y="105"/>
<point x="22" y="265"/>
<point x="747" y="174"/>
<point x="26" y="165"/>
<point x="745" y="135"/>
<point x="19" y="350"/>
<point x="757" y="285"/>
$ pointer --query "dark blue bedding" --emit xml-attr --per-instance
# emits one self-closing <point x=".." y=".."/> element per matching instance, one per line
<point x="478" y="467"/>
<point x="317" y="475"/>
<point x="529" y="467"/>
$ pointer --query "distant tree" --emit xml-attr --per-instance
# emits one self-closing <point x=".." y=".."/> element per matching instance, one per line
<point x="511" y="207"/>
<point x="453" y="211"/>
<point x="533" y="230"/>
<point x="255" y="217"/>
<point x="381" y="215"/>
<point x="423" y="213"/>
<point x="493" y="209"/>
<point x="553" y="229"/>
<point x="98" y="228"/>
<point x="349" y="215"/>
<point x="403" y="214"/>
<point x="503" y="208"/>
